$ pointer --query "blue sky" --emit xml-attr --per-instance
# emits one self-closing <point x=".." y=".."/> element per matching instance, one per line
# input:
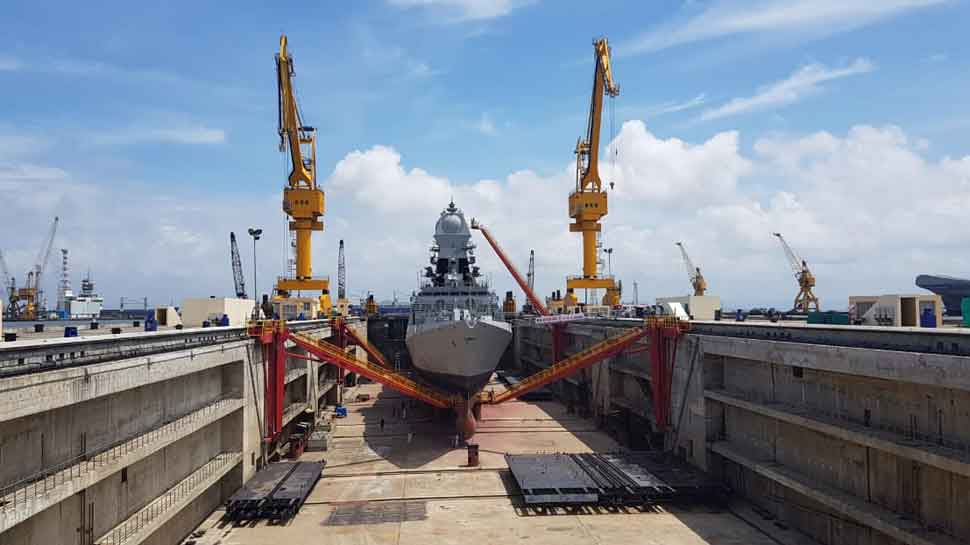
<point x="167" y="114"/>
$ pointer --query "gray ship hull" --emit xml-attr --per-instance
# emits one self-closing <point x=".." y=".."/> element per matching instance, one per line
<point x="456" y="356"/>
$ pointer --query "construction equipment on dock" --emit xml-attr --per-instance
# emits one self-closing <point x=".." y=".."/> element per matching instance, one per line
<point x="628" y="479"/>
<point x="273" y="335"/>
<point x="303" y="201"/>
<point x="588" y="202"/>
<point x="806" y="299"/>
<point x="239" y="283"/>
<point x="28" y="302"/>
<point x="693" y="272"/>
<point x="658" y="328"/>
<point x="276" y="492"/>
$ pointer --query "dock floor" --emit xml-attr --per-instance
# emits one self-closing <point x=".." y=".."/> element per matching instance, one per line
<point x="379" y="488"/>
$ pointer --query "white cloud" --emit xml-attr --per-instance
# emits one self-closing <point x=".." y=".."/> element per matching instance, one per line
<point x="725" y="18"/>
<point x="849" y="204"/>
<point x="180" y="135"/>
<point x="454" y="11"/>
<point x="388" y="59"/>
<point x="859" y="206"/>
<point x="673" y="106"/>
<point x="803" y="82"/>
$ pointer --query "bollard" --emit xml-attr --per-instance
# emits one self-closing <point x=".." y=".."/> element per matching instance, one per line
<point x="94" y="325"/>
<point x="38" y="328"/>
<point x="115" y="330"/>
<point x="70" y="331"/>
<point x="9" y="337"/>
<point x="135" y="323"/>
<point x="472" y="455"/>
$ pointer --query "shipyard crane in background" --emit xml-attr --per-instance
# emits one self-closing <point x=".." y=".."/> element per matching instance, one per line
<point x="587" y="203"/>
<point x="237" y="272"/>
<point x="693" y="273"/>
<point x="10" y="285"/>
<point x="531" y="281"/>
<point x="343" y="304"/>
<point x="806" y="299"/>
<point x="28" y="302"/>
<point x="303" y="201"/>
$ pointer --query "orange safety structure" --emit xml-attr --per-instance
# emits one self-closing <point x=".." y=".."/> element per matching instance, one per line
<point x="663" y="353"/>
<point x="372" y="351"/>
<point x="271" y="335"/>
<point x="557" y="329"/>
<point x="536" y="303"/>
<point x="663" y="334"/>
<point x="604" y="349"/>
<point x="332" y="354"/>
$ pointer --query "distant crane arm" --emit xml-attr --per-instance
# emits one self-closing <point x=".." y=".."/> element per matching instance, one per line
<point x="691" y="269"/>
<point x="588" y="150"/>
<point x="45" y="254"/>
<point x="237" y="273"/>
<point x="3" y="269"/>
<point x="291" y="128"/>
<point x="793" y="259"/>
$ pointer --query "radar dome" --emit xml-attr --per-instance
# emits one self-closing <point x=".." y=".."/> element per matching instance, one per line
<point x="450" y="223"/>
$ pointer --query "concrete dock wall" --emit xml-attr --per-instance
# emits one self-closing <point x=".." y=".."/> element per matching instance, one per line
<point x="850" y="435"/>
<point x="137" y="449"/>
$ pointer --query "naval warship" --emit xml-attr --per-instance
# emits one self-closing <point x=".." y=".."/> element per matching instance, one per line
<point x="456" y="332"/>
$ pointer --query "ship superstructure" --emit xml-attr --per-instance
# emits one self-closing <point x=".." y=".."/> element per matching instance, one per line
<point x="456" y="333"/>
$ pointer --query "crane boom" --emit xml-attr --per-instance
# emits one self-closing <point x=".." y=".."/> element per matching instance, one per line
<point x="3" y="269"/>
<point x="529" y="294"/>
<point x="290" y="126"/>
<point x="588" y="150"/>
<point x="531" y="275"/>
<point x="237" y="273"/>
<point x="41" y="265"/>
<point x="806" y="299"/>
<point x="793" y="259"/>
<point x="691" y="270"/>
<point x="341" y="273"/>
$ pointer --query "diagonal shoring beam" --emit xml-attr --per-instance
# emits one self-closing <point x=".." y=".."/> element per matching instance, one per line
<point x="394" y="380"/>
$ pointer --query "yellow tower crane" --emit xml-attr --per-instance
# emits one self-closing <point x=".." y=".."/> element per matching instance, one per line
<point x="303" y="201"/>
<point x="693" y="273"/>
<point x="805" y="299"/>
<point x="587" y="203"/>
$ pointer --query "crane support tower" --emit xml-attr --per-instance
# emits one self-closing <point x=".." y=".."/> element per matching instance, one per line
<point x="239" y="281"/>
<point x="64" y="292"/>
<point x="303" y="201"/>
<point x="343" y="304"/>
<point x="587" y="203"/>
<point x="693" y="273"/>
<point x="806" y="300"/>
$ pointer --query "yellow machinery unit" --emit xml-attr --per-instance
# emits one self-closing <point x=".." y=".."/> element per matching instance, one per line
<point x="693" y="272"/>
<point x="508" y="305"/>
<point x="806" y="300"/>
<point x="303" y="201"/>
<point x="587" y="204"/>
<point x="370" y="307"/>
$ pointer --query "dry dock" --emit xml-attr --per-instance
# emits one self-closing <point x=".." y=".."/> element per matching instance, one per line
<point x="380" y="488"/>
<point x="837" y="434"/>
